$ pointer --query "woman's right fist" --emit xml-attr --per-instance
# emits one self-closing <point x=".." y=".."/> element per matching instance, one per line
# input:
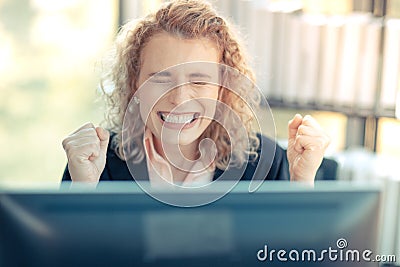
<point x="86" y="150"/>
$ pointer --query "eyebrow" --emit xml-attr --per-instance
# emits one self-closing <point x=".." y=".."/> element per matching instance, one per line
<point x="160" y="74"/>
<point x="199" y="75"/>
<point x="168" y="74"/>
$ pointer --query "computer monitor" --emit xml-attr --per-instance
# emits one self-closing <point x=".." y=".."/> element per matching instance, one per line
<point x="390" y="227"/>
<point x="119" y="225"/>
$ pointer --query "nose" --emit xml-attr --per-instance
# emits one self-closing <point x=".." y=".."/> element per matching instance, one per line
<point x="179" y="94"/>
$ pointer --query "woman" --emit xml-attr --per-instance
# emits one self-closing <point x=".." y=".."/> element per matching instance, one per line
<point x="161" y="137"/>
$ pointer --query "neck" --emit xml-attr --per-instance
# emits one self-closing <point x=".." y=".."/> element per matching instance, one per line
<point x="177" y="153"/>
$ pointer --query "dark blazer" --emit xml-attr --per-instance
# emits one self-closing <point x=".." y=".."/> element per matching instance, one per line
<point x="117" y="169"/>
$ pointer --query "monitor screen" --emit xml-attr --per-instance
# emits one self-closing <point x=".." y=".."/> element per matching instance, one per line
<point x="117" y="224"/>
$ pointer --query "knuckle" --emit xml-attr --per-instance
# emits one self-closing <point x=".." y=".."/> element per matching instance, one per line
<point x="67" y="145"/>
<point x="85" y="132"/>
<point x="306" y="120"/>
<point x="301" y="129"/>
<point x="323" y="142"/>
<point x="93" y="145"/>
<point x="89" y="132"/>
<point x="92" y="131"/>
<point x="88" y="124"/>
<point x="64" y="143"/>
<point x="308" y="117"/>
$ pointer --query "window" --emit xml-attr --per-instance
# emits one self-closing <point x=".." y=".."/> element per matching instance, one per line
<point x="50" y="53"/>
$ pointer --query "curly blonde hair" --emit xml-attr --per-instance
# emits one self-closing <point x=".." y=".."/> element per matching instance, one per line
<point x="188" y="19"/>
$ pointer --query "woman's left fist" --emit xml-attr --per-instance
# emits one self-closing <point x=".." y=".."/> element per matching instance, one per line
<point x="306" y="148"/>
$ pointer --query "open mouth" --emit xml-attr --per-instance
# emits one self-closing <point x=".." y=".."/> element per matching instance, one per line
<point x="181" y="118"/>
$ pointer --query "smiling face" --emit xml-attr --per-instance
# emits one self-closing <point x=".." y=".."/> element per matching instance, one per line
<point x="177" y="101"/>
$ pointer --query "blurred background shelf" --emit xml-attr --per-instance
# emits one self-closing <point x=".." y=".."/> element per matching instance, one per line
<point x="346" y="110"/>
<point x="339" y="56"/>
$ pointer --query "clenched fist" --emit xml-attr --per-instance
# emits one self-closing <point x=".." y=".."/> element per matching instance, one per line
<point x="86" y="150"/>
<point x="306" y="147"/>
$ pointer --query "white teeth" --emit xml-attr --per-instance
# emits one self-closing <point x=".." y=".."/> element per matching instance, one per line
<point x="177" y="118"/>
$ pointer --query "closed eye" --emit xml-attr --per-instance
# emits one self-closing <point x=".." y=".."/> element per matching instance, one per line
<point x="160" y="80"/>
<point x="199" y="78"/>
<point x="160" y="77"/>
<point x="199" y="83"/>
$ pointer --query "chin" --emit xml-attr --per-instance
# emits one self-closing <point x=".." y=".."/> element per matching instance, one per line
<point x="174" y="138"/>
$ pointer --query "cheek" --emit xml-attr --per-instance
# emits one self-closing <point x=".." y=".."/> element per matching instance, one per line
<point x="146" y="108"/>
<point x="151" y="95"/>
<point x="213" y="92"/>
<point x="208" y="98"/>
<point x="151" y="98"/>
<point x="149" y="101"/>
